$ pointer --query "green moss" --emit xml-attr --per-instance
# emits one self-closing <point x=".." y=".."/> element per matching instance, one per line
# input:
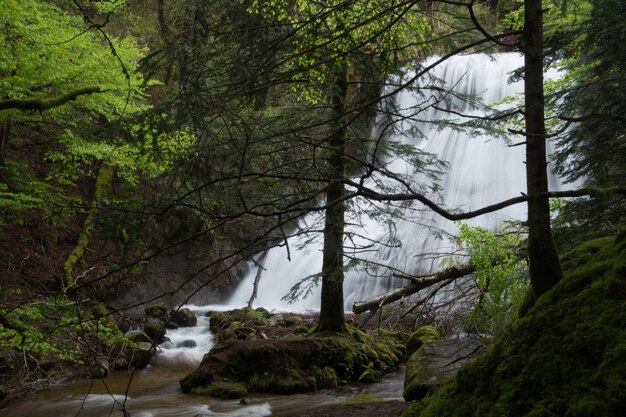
<point x="223" y="390"/>
<point x="566" y="357"/>
<point x="324" y="378"/>
<point x="158" y="310"/>
<point x="370" y="375"/>
<point x="139" y="337"/>
<point x="419" y="337"/>
<point x="219" y="321"/>
<point x="156" y="331"/>
<point x="258" y="317"/>
<point x="362" y="399"/>
<point x="297" y="364"/>
<point x="286" y="380"/>
<point x="290" y="321"/>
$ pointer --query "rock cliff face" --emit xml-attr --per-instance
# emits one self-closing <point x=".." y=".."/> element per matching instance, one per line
<point x="566" y="357"/>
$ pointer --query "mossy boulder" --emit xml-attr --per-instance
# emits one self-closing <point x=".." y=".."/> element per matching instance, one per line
<point x="155" y="331"/>
<point x="219" y="321"/>
<point x="371" y="375"/>
<point x="565" y="357"/>
<point x="140" y="355"/>
<point x="297" y="364"/>
<point x="223" y="390"/>
<point x="183" y="318"/>
<point x="138" y="337"/>
<point x="419" y="337"/>
<point x="157" y="311"/>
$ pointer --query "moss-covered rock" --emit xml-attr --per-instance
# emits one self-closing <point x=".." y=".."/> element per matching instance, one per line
<point x="183" y="318"/>
<point x="138" y="337"/>
<point x="140" y="356"/>
<point x="297" y="364"/>
<point x="565" y="357"/>
<point x="158" y="311"/>
<point x="419" y="337"/>
<point x="219" y="321"/>
<point x="223" y="390"/>
<point x="370" y="375"/>
<point x="155" y="331"/>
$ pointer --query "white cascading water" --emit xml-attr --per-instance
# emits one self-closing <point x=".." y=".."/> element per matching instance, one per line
<point x="481" y="171"/>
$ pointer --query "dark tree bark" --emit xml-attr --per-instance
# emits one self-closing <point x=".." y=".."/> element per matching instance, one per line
<point x="161" y="17"/>
<point x="545" y="268"/>
<point x="5" y="134"/>
<point x="331" y="309"/>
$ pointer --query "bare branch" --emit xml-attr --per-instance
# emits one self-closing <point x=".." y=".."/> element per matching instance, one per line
<point x="453" y="272"/>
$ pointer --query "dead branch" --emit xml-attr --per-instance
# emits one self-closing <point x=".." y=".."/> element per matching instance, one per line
<point x="450" y="273"/>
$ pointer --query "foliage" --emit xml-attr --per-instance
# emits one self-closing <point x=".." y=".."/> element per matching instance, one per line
<point x="45" y="51"/>
<point x="56" y="330"/>
<point x="333" y="33"/>
<point x="500" y="277"/>
<point x="593" y="96"/>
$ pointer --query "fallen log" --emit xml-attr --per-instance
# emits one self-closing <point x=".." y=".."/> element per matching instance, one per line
<point x="417" y="284"/>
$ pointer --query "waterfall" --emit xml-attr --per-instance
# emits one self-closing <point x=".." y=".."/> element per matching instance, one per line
<point x="481" y="170"/>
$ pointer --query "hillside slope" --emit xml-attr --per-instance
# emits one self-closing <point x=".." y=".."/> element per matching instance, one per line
<point x="566" y="357"/>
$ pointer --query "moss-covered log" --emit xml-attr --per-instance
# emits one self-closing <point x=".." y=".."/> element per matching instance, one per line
<point x="47" y="103"/>
<point x="103" y="187"/>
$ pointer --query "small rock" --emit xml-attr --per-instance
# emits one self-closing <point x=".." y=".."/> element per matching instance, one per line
<point x="121" y="364"/>
<point x="187" y="344"/>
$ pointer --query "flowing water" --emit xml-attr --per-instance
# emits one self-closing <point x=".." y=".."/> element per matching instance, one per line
<point x="154" y="391"/>
<point x="480" y="172"/>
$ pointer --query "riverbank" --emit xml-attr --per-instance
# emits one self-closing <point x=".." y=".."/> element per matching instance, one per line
<point x="374" y="409"/>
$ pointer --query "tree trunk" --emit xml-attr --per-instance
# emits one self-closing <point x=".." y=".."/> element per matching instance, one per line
<point x="161" y="18"/>
<point x="545" y="268"/>
<point x="5" y="135"/>
<point x="331" y="310"/>
<point x="102" y="188"/>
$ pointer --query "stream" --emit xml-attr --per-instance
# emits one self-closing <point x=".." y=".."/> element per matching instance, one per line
<point x="154" y="391"/>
